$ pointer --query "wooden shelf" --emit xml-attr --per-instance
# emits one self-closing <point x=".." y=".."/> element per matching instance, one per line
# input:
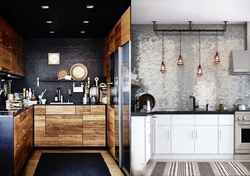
<point x="135" y="83"/>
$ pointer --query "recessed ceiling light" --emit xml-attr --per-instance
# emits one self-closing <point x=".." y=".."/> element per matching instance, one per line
<point x="85" y="21"/>
<point x="52" y="32"/>
<point x="45" y="7"/>
<point x="90" y="6"/>
<point x="48" y="21"/>
<point x="82" y="32"/>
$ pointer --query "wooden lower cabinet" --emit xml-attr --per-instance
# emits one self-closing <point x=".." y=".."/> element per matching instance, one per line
<point x="69" y="125"/>
<point x="111" y="130"/>
<point x="23" y="138"/>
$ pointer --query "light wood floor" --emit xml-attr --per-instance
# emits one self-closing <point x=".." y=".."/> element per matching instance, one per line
<point x="30" y="166"/>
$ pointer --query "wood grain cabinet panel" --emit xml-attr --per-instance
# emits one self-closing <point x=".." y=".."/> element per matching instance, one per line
<point x="83" y="109"/>
<point x="70" y="125"/>
<point x="11" y="47"/>
<point x="39" y="110"/>
<point x="63" y="124"/>
<point x="23" y="138"/>
<point x="60" y="109"/>
<point x="98" y="109"/>
<point x="125" y="27"/>
<point x="111" y="130"/>
<point x="70" y="140"/>
<point x="117" y="34"/>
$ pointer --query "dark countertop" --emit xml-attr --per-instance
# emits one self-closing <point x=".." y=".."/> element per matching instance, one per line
<point x="180" y="112"/>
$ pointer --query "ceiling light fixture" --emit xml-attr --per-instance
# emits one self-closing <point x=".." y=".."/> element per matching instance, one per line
<point x="49" y="22"/>
<point x="86" y="22"/>
<point x="52" y="32"/>
<point x="180" y="62"/>
<point x="163" y="66"/>
<point x="217" y="57"/>
<point x="199" y="71"/>
<point x="82" y="32"/>
<point x="90" y="6"/>
<point x="45" y="7"/>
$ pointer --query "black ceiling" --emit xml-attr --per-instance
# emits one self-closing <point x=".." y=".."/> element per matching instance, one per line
<point x="29" y="20"/>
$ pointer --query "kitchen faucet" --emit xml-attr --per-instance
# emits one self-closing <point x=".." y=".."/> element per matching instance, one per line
<point x="194" y="103"/>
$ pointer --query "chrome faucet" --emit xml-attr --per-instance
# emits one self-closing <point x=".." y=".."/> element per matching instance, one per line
<point x="194" y="103"/>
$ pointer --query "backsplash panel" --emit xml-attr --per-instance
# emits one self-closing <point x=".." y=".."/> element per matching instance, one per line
<point x="85" y="51"/>
<point x="173" y="88"/>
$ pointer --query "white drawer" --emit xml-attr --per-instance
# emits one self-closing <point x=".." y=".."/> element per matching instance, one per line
<point x="206" y="119"/>
<point x="182" y="119"/>
<point x="162" y="120"/>
<point x="227" y="119"/>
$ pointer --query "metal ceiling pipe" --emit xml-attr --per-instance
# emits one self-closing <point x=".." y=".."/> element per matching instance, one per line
<point x="189" y="29"/>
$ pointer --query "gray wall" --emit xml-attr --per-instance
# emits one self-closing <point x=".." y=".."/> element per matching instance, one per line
<point x="172" y="89"/>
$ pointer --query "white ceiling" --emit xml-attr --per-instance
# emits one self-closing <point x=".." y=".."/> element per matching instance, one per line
<point x="182" y="11"/>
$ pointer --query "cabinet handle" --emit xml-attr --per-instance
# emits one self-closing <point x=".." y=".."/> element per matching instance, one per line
<point x="168" y="134"/>
<point x="192" y="134"/>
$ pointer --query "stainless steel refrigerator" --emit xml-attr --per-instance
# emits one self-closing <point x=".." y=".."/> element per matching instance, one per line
<point x="120" y="98"/>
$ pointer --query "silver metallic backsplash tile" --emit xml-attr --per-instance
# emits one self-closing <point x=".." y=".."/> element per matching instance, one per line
<point x="173" y="88"/>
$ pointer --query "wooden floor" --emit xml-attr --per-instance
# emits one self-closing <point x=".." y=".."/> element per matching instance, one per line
<point x="30" y="166"/>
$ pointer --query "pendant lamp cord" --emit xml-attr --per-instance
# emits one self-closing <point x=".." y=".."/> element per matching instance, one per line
<point x="199" y="48"/>
<point x="162" y="47"/>
<point x="180" y="43"/>
<point x="217" y="40"/>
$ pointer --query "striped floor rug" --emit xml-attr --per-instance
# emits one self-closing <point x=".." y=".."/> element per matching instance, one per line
<point x="201" y="169"/>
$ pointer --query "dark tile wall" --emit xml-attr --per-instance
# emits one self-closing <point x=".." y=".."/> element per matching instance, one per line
<point x="85" y="51"/>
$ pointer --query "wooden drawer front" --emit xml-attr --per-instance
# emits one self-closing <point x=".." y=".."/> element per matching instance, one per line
<point x="94" y="131"/>
<point x="94" y="140"/>
<point x="93" y="117"/>
<point x="226" y="119"/>
<point x="93" y="124"/>
<point x="70" y="140"/>
<point x="204" y="119"/>
<point x="45" y="140"/>
<point x="83" y="110"/>
<point x="18" y="157"/>
<point x="182" y="119"/>
<point x="39" y="110"/>
<point x="39" y="124"/>
<point x="95" y="109"/>
<point x="63" y="124"/>
<point x="162" y="120"/>
<point x="60" y="109"/>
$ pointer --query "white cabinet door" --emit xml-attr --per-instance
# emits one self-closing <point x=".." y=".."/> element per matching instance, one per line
<point x="138" y="142"/>
<point x="206" y="139"/>
<point x="147" y="144"/>
<point x="226" y="139"/>
<point x="182" y="139"/>
<point x="162" y="139"/>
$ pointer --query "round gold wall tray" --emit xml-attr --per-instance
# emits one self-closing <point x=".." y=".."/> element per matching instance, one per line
<point x="78" y="72"/>
<point x="62" y="73"/>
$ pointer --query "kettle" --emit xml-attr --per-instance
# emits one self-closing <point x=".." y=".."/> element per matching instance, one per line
<point x="240" y="105"/>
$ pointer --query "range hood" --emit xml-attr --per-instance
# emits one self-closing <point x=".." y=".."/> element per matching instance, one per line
<point x="241" y="59"/>
<point x="241" y="62"/>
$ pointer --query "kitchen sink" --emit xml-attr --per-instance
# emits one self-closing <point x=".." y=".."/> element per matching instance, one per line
<point x="62" y="103"/>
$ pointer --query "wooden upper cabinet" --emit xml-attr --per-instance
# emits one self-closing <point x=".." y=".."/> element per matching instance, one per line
<point x="125" y="27"/>
<point x="11" y="49"/>
<point x="112" y="41"/>
<point x="118" y="34"/>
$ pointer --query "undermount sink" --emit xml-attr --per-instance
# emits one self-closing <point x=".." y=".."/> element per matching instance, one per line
<point x="68" y="102"/>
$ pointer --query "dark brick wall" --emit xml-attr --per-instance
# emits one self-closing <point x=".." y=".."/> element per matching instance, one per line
<point x="85" y="51"/>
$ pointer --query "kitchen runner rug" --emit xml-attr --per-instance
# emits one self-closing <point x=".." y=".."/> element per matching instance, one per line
<point x="71" y="164"/>
<point x="201" y="169"/>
